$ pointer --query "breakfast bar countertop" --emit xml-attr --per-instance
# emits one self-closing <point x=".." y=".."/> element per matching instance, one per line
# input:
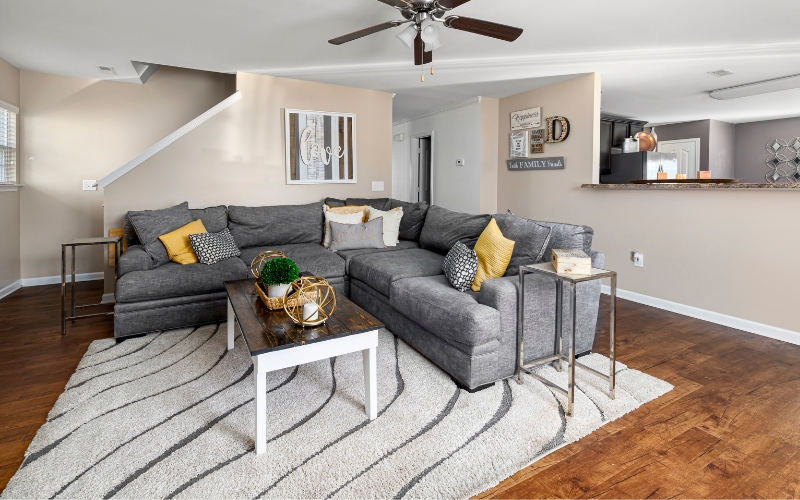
<point x="692" y="186"/>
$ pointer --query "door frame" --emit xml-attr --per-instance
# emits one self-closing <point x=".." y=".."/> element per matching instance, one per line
<point x="696" y="140"/>
<point x="415" y="163"/>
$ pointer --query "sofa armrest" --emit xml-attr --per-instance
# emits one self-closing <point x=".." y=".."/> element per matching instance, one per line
<point x="134" y="259"/>
<point x="540" y="305"/>
<point x="598" y="259"/>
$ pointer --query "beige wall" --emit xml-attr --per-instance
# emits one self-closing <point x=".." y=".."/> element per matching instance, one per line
<point x="237" y="157"/>
<point x="490" y="109"/>
<point x="9" y="200"/>
<point x="79" y="128"/>
<point x="707" y="249"/>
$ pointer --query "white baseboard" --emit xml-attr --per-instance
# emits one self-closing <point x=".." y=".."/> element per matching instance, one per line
<point x="8" y="290"/>
<point x="772" y="332"/>
<point x="52" y="280"/>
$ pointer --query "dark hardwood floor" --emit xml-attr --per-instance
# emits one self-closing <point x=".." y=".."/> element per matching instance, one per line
<point x="729" y="429"/>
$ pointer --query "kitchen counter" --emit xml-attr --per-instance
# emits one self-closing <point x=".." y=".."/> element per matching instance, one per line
<point x="691" y="186"/>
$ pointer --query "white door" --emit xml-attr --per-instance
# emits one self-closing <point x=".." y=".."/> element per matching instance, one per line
<point x="688" y="152"/>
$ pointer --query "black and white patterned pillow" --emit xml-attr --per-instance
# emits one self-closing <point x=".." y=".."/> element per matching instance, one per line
<point x="460" y="266"/>
<point x="211" y="248"/>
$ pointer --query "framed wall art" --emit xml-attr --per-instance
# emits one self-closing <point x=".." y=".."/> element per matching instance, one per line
<point x="527" y="118"/>
<point x="537" y="141"/>
<point x="519" y="144"/>
<point x="320" y="147"/>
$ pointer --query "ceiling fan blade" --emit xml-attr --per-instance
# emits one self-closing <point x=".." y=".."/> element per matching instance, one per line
<point x="400" y="4"/>
<point x="485" y="28"/>
<point x="362" y="33"/>
<point x="449" y="4"/>
<point x="419" y="49"/>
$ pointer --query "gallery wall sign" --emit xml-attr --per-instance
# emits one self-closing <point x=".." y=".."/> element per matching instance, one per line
<point x="537" y="141"/>
<point x="553" y="163"/>
<point x="519" y="144"/>
<point x="320" y="147"/>
<point x="527" y="118"/>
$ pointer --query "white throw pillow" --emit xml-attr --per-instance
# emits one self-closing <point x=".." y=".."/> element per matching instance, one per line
<point x="355" y="218"/>
<point x="391" y="223"/>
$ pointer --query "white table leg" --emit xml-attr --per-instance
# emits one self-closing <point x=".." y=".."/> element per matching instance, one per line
<point x="261" y="407"/>
<point x="371" y="382"/>
<point x="231" y="324"/>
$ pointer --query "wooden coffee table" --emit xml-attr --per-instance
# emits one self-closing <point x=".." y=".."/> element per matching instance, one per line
<point x="275" y="342"/>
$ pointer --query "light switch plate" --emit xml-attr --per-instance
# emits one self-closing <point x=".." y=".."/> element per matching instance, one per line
<point x="89" y="185"/>
<point x="377" y="185"/>
<point x="461" y="163"/>
<point x="638" y="259"/>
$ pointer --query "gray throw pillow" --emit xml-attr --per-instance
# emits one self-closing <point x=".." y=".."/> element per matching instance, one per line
<point x="460" y="266"/>
<point x="530" y="240"/>
<point x="567" y="236"/>
<point x="211" y="248"/>
<point x="443" y="228"/>
<point x="383" y="204"/>
<point x="413" y="218"/>
<point x="356" y="236"/>
<point x="150" y="224"/>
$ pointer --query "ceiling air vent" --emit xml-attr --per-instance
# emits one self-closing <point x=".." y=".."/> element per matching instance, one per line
<point x="720" y="72"/>
<point x="107" y="70"/>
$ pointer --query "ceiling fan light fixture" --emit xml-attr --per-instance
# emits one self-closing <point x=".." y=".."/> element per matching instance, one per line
<point x="430" y="35"/>
<point x="408" y="35"/>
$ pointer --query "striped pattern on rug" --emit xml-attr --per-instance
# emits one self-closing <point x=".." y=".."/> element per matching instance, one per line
<point x="172" y="415"/>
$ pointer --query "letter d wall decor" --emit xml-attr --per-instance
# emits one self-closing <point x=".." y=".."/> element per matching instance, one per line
<point x="551" y="129"/>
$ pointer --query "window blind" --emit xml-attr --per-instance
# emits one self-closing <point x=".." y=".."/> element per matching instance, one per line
<point x="8" y="146"/>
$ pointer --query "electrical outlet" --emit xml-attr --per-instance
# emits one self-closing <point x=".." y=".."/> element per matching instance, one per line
<point x="90" y="185"/>
<point x="377" y="185"/>
<point x="638" y="259"/>
<point x="461" y="163"/>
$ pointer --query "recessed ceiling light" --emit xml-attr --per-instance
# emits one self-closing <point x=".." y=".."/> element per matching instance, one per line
<point x="107" y="70"/>
<point x="721" y="72"/>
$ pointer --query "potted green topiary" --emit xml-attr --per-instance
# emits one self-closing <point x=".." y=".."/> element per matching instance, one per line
<point x="277" y="275"/>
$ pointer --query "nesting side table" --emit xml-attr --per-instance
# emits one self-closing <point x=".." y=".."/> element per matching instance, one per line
<point x="572" y="280"/>
<point x="112" y="240"/>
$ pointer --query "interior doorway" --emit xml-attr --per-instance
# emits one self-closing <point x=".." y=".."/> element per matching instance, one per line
<point x="688" y="151"/>
<point x="422" y="158"/>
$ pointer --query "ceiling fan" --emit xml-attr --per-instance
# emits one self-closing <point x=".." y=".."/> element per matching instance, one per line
<point x="423" y="32"/>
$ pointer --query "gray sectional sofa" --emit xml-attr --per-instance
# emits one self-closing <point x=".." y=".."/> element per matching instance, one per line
<point x="471" y="336"/>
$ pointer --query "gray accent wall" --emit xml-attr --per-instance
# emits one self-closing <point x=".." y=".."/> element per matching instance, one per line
<point x="751" y="139"/>
<point x="688" y="130"/>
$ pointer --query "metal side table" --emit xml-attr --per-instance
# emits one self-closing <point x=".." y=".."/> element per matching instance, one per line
<point x="113" y="240"/>
<point x="547" y="269"/>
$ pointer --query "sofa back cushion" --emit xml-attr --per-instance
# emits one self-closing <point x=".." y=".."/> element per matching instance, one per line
<point x="379" y="203"/>
<point x="413" y="218"/>
<point x="277" y="225"/>
<point x="568" y="236"/>
<point x="215" y="219"/>
<point x="443" y="228"/>
<point x="530" y="240"/>
<point x="150" y="224"/>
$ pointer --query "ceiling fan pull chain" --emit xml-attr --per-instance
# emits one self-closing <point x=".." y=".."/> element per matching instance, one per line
<point x="422" y="74"/>
<point x="431" y="69"/>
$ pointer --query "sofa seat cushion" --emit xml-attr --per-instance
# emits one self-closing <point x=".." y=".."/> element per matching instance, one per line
<point x="380" y="270"/>
<point x="176" y="280"/>
<point x="310" y="257"/>
<point x="444" y="311"/>
<point x="349" y="255"/>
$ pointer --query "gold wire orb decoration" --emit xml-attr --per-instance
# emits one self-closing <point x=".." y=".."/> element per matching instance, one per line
<point x="258" y="263"/>
<point x="314" y="301"/>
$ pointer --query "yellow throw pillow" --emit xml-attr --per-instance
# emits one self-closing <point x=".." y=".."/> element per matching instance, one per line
<point x="348" y="209"/>
<point x="177" y="242"/>
<point x="494" y="253"/>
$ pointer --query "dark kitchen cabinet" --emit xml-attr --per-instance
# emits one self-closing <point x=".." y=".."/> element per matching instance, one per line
<point x="613" y="131"/>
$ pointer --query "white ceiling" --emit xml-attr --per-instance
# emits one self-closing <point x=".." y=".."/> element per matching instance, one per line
<point x="653" y="56"/>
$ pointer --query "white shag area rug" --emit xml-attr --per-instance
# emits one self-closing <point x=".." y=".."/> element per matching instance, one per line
<point x="172" y="415"/>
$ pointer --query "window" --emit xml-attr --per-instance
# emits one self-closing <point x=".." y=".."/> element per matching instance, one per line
<point x="8" y="143"/>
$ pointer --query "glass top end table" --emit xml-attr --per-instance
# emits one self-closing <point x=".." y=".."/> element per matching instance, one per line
<point x="572" y="280"/>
